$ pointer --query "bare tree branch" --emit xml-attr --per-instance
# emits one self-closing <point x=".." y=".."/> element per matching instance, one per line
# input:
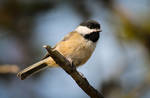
<point x="71" y="70"/>
<point x="5" y="69"/>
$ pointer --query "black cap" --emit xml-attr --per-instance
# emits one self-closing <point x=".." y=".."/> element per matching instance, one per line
<point x="92" y="24"/>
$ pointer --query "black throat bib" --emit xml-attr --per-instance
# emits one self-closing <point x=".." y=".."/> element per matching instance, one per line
<point x="94" y="36"/>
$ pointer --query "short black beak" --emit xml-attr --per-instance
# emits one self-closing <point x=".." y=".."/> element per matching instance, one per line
<point x="99" y="30"/>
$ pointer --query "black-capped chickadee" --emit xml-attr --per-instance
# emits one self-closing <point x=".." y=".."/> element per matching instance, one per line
<point x="77" y="46"/>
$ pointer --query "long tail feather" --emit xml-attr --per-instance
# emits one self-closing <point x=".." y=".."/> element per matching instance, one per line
<point x="32" y="70"/>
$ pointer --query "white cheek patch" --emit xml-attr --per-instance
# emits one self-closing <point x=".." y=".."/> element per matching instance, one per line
<point x="85" y="30"/>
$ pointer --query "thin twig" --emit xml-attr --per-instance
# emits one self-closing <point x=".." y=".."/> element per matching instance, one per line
<point x="71" y="70"/>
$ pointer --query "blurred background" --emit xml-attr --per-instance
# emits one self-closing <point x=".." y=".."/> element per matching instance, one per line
<point x="119" y="67"/>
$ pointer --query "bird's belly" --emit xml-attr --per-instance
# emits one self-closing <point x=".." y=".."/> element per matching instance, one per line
<point x="77" y="49"/>
<point x="81" y="54"/>
<point x="80" y="57"/>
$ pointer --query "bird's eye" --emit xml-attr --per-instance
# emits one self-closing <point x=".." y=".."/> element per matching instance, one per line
<point x="88" y="26"/>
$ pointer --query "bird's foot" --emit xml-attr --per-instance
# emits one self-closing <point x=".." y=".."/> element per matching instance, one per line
<point x="71" y="62"/>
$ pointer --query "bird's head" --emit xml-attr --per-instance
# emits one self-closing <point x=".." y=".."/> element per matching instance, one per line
<point x="89" y="30"/>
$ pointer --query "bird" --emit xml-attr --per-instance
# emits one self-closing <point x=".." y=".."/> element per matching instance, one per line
<point x="77" y="46"/>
